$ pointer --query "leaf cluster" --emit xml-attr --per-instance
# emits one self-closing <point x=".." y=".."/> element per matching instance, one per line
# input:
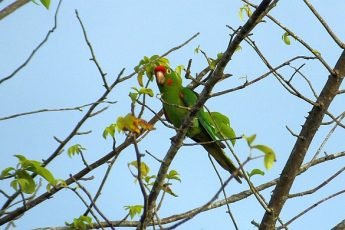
<point x="146" y="67"/>
<point x="21" y="175"/>
<point x="80" y="223"/>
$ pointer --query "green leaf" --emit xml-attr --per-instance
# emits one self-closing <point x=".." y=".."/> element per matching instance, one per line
<point x="110" y="130"/>
<point x="146" y="91"/>
<point x="21" y="158"/>
<point x="25" y="181"/>
<point x="140" y="78"/>
<point x="133" y="96"/>
<point x="148" y="178"/>
<point x="80" y="223"/>
<point x="179" y="69"/>
<point x="250" y="139"/>
<point x="45" y="3"/>
<point x="270" y="156"/>
<point x="245" y="9"/>
<point x="46" y="174"/>
<point x="6" y="172"/>
<point x="256" y="172"/>
<point x="134" y="210"/>
<point x="144" y="168"/>
<point x="197" y="49"/>
<point x="173" y="175"/>
<point x="286" y="38"/>
<point x="75" y="149"/>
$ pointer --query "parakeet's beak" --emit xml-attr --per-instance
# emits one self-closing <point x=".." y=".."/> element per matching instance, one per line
<point x="160" y="77"/>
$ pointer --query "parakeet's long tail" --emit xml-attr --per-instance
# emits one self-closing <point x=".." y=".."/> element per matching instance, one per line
<point x="219" y="155"/>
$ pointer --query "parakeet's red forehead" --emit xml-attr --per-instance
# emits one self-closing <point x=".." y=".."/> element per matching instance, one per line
<point x="160" y="68"/>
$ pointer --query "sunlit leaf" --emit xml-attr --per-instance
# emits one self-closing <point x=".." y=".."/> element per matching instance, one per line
<point x="75" y="149"/>
<point x="256" y="172"/>
<point x="197" y="49"/>
<point x="132" y="124"/>
<point x="110" y="130"/>
<point x="146" y="91"/>
<point x="173" y="175"/>
<point x="179" y="69"/>
<point x="144" y="168"/>
<point x="7" y="172"/>
<point x="286" y="38"/>
<point x="25" y="181"/>
<point x="46" y="174"/>
<point x="140" y="78"/>
<point x="270" y="156"/>
<point x="250" y="139"/>
<point x="80" y="223"/>
<point x="134" y="210"/>
<point x="244" y="9"/>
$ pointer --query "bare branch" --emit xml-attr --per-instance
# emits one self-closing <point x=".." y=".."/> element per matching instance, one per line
<point x="306" y="45"/>
<point x="37" y="48"/>
<point x="314" y="205"/>
<point x="299" y="151"/>
<point x="12" y="7"/>
<point x="77" y="108"/>
<point x="105" y="84"/>
<point x="324" y="24"/>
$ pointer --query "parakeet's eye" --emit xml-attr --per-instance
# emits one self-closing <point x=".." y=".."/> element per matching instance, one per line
<point x="168" y="71"/>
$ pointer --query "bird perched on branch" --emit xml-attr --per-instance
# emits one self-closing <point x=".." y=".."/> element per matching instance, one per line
<point x="206" y="128"/>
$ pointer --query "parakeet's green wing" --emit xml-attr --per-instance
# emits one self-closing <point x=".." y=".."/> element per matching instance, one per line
<point x="189" y="97"/>
<point x="207" y="133"/>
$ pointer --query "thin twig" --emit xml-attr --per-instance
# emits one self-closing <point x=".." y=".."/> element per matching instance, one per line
<point x="313" y="206"/>
<point x="324" y="24"/>
<point x="105" y="84"/>
<point x="34" y="51"/>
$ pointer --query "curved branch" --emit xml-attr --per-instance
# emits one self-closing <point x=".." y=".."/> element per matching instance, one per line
<point x="12" y="7"/>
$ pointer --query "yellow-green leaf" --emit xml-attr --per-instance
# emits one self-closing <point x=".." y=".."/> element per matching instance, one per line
<point x="46" y="3"/>
<point x="245" y="9"/>
<point x="250" y="139"/>
<point x="110" y="130"/>
<point x="270" y="156"/>
<point x="173" y="175"/>
<point x="134" y="210"/>
<point x="256" y="172"/>
<point x="146" y="91"/>
<point x="75" y="149"/>
<point x="144" y="168"/>
<point x="286" y="38"/>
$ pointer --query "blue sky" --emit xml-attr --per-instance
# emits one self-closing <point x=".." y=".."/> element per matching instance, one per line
<point x="61" y="75"/>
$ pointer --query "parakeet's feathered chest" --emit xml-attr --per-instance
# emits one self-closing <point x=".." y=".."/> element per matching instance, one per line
<point x="175" y="108"/>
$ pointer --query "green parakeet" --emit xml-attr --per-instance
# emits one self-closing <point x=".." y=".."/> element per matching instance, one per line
<point x="176" y="99"/>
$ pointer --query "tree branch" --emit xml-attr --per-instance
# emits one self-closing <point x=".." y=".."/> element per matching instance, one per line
<point x="299" y="151"/>
<point x="256" y="17"/>
<point x="12" y="7"/>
